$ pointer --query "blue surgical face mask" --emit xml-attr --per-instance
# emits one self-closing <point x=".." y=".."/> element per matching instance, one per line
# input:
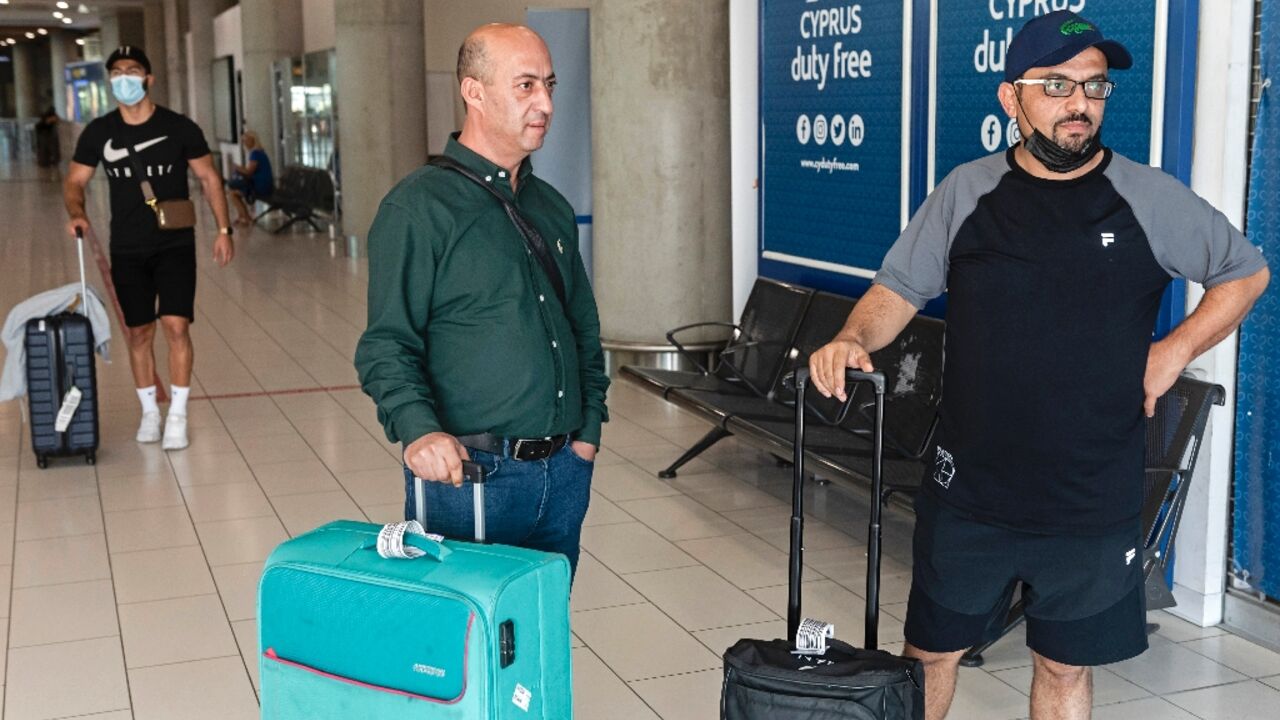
<point x="128" y="89"/>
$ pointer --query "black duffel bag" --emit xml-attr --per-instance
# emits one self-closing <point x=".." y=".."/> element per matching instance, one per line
<point x="828" y="679"/>
<point x="764" y="679"/>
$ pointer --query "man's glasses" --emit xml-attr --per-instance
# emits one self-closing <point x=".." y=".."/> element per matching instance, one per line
<point x="1064" y="87"/>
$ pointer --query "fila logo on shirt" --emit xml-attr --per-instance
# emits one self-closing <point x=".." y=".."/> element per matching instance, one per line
<point x="1108" y="239"/>
<point x="1130" y="555"/>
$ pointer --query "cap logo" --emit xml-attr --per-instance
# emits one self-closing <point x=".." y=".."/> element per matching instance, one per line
<point x="1075" y="27"/>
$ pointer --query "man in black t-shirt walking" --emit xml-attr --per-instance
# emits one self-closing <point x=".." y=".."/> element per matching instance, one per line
<point x="153" y="269"/>
<point x="1054" y="256"/>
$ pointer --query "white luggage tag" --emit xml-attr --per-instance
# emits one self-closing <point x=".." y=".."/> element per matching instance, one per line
<point x="811" y="637"/>
<point x="68" y="409"/>
<point x="391" y="540"/>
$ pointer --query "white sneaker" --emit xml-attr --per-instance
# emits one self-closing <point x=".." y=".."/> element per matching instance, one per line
<point x="175" y="432"/>
<point x="149" y="429"/>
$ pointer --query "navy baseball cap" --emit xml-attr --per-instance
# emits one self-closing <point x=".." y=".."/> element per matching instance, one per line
<point x="1056" y="38"/>
<point x="129" y="52"/>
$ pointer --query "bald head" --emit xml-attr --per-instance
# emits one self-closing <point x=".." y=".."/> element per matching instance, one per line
<point x="505" y="80"/>
<point x="476" y="56"/>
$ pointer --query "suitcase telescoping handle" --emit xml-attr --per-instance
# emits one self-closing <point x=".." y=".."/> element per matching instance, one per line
<point x="876" y="379"/>
<point x="84" y="286"/>
<point x="472" y="472"/>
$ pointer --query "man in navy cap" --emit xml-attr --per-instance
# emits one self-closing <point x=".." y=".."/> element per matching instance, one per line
<point x="1054" y="255"/>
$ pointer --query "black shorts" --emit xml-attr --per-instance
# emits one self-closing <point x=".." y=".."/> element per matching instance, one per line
<point x="1085" y="602"/>
<point x="160" y="283"/>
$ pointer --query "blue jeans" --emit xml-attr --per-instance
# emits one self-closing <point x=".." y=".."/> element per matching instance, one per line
<point x="536" y="504"/>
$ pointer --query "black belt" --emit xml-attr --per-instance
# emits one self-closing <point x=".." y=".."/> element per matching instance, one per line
<point x="521" y="448"/>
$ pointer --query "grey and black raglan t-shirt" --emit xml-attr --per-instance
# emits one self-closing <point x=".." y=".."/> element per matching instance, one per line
<point x="1053" y="291"/>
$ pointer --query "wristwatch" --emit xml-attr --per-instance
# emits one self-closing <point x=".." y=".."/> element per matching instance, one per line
<point x="225" y="231"/>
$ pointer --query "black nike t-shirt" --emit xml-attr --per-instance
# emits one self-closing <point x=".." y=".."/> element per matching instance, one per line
<point x="161" y="147"/>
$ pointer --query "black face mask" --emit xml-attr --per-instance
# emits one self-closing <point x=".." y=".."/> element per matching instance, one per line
<point x="1055" y="157"/>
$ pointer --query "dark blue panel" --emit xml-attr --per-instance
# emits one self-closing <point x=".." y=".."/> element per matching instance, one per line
<point x="1255" y="548"/>
<point x="1179" y="130"/>
<point x="832" y="129"/>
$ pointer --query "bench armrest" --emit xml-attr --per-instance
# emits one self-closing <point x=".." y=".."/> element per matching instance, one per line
<point x="671" y="338"/>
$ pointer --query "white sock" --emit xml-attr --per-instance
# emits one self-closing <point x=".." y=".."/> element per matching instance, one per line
<point x="147" y="396"/>
<point x="178" y="400"/>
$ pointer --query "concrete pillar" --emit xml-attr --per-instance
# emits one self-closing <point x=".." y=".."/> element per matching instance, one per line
<point x="271" y="30"/>
<point x="175" y="77"/>
<point x="109" y="32"/>
<point x="200" y="14"/>
<point x="24" y="81"/>
<point x="662" y="219"/>
<point x="380" y="92"/>
<point x="123" y="27"/>
<point x="61" y="51"/>
<point x="156" y="47"/>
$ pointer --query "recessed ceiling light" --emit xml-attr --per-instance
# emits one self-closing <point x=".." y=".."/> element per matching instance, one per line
<point x="66" y="21"/>
<point x="42" y="31"/>
<point x="83" y="9"/>
<point x="31" y="36"/>
<point x="57" y="14"/>
<point x="62" y="5"/>
<point x="79" y="41"/>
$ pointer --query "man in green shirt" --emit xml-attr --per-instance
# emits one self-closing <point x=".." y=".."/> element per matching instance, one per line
<point x="469" y="353"/>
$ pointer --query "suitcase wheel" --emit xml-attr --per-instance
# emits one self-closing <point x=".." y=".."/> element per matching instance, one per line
<point x="42" y="462"/>
<point x="91" y="458"/>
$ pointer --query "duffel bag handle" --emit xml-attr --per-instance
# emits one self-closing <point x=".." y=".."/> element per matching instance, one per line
<point x="408" y="541"/>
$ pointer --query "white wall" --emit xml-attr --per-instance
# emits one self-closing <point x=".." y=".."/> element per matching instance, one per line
<point x="744" y="126"/>
<point x="317" y="25"/>
<point x="229" y="40"/>
<point x="1218" y="174"/>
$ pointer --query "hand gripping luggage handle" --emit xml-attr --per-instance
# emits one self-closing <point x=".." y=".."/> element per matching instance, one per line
<point x="472" y="472"/>
<point x="801" y="382"/>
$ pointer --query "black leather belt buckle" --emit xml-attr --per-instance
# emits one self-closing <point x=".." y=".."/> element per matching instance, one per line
<point x="533" y="449"/>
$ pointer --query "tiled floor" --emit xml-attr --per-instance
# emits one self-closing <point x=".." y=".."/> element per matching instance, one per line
<point x="129" y="586"/>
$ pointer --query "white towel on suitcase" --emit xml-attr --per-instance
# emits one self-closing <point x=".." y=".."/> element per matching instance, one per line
<point x="13" y="381"/>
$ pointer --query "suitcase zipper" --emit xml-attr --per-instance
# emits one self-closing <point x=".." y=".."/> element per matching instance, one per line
<point x="791" y="679"/>
<point x="808" y="682"/>
<point x="863" y="711"/>
<point x="270" y="654"/>
<point x="473" y="609"/>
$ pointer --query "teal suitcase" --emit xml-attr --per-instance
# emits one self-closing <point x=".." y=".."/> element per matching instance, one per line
<point x="468" y="630"/>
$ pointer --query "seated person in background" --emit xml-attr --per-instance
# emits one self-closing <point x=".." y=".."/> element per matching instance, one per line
<point x="252" y="180"/>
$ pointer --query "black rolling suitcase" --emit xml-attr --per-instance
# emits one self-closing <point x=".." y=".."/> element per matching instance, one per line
<point x="62" y="382"/>
<point x="809" y="676"/>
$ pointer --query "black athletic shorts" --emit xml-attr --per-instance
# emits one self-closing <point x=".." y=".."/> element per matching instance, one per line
<point x="160" y="283"/>
<point x="1085" y="602"/>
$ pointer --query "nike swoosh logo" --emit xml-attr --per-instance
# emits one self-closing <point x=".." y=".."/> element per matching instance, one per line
<point x="144" y="145"/>
<point x="111" y="154"/>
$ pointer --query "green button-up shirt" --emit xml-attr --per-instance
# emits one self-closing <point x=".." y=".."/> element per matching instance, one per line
<point x="465" y="332"/>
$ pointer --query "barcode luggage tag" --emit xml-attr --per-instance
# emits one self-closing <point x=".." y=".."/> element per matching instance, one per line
<point x="68" y="410"/>
<point x="391" y="543"/>
<point x="811" y="637"/>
